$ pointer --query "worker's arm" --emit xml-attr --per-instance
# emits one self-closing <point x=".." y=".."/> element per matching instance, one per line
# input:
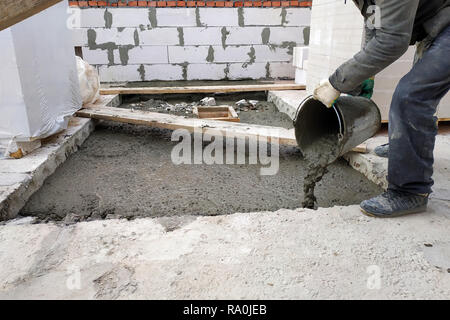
<point x="388" y="43"/>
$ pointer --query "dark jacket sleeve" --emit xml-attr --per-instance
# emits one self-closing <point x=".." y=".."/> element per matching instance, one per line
<point x="388" y="43"/>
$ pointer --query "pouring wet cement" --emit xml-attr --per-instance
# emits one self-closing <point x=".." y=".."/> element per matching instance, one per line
<point x="323" y="134"/>
<point x="318" y="156"/>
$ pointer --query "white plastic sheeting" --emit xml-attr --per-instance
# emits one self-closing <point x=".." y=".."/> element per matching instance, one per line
<point x="39" y="86"/>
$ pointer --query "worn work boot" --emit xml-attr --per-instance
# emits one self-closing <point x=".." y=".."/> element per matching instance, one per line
<point x="393" y="203"/>
<point x="382" y="151"/>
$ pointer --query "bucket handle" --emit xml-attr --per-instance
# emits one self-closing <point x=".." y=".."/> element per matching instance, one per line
<point x="341" y="129"/>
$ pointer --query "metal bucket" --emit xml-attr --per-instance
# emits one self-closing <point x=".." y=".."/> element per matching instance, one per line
<point x="352" y="120"/>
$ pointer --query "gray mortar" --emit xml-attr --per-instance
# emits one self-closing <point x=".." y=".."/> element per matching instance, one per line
<point x="226" y="70"/>
<point x="126" y="171"/>
<point x="268" y="70"/>
<point x="108" y="19"/>
<point x="210" y="57"/>
<point x="306" y="33"/>
<point x="283" y="16"/>
<point x="184" y="67"/>
<point x="152" y="17"/>
<point x="197" y="18"/>
<point x="241" y="21"/>
<point x="252" y="57"/>
<point x="108" y="46"/>
<point x="141" y="71"/>
<point x="225" y="34"/>
<point x="265" y="35"/>
<point x="136" y="38"/>
<point x="289" y="45"/>
<point x="123" y="53"/>
<point x="180" y="36"/>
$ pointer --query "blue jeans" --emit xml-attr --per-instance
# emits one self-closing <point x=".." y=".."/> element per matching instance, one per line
<point x="412" y="119"/>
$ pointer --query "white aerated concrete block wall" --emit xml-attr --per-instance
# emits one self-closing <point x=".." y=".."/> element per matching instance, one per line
<point x="336" y="35"/>
<point x="299" y="62"/>
<point x="143" y="44"/>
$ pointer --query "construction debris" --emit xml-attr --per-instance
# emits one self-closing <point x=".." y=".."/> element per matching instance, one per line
<point x="208" y="101"/>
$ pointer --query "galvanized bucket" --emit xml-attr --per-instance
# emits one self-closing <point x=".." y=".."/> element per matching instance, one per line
<point x="352" y="120"/>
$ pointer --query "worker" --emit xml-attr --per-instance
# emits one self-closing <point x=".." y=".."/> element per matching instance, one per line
<point x="412" y="114"/>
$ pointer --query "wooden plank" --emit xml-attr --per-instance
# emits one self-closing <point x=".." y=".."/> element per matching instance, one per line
<point x="171" y="122"/>
<point x="215" y="114"/>
<point x="203" y="89"/>
<point x="14" y="11"/>
<point x="226" y="119"/>
<point x="233" y="113"/>
<point x="224" y="113"/>
<point x="278" y="135"/>
<point x="362" y="148"/>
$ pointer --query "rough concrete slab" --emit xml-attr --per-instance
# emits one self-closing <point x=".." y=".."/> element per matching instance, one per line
<point x="128" y="171"/>
<point x="20" y="178"/>
<point x="287" y="101"/>
<point x="334" y="253"/>
<point x="369" y="164"/>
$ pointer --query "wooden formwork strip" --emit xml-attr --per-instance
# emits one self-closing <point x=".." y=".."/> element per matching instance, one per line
<point x="203" y="89"/>
<point x="212" y="127"/>
<point x="277" y="135"/>
<point x="14" y="11"/>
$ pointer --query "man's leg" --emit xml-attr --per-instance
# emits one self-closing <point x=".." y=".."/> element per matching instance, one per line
<point x="412" y="132"/>
<point x="412" y="120"/>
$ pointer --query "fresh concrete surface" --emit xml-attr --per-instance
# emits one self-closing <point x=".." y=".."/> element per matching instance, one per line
<point x="289" y="254"/>
<point x="20" y="178"/>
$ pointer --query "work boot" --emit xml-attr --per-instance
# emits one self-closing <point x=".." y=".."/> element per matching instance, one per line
<point x="393" y="203"/>
<point x="382" y="151"/>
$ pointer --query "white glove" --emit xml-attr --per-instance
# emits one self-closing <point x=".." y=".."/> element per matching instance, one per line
<point x="326" y="93"/>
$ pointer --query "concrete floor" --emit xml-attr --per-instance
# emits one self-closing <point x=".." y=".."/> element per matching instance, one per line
<point x="335" y="253"/>
<point x="330" y="253"/>
<point x="126" y="171"/>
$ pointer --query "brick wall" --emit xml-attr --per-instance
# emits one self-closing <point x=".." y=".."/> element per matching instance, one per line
<point x="190" y="43"/>
<point x="188" y="3"/>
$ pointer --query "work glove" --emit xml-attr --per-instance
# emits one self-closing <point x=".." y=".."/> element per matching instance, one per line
<point x="326" y="93"/>
<point x="367" y="88"/>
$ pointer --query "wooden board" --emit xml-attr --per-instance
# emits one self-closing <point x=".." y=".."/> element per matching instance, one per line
<point x="278" y="135"/>
<point x="14" y="11"/>
<point x="203" y="89"/>
<point x="171" y="122"/>
<point x="223" y="113"/>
